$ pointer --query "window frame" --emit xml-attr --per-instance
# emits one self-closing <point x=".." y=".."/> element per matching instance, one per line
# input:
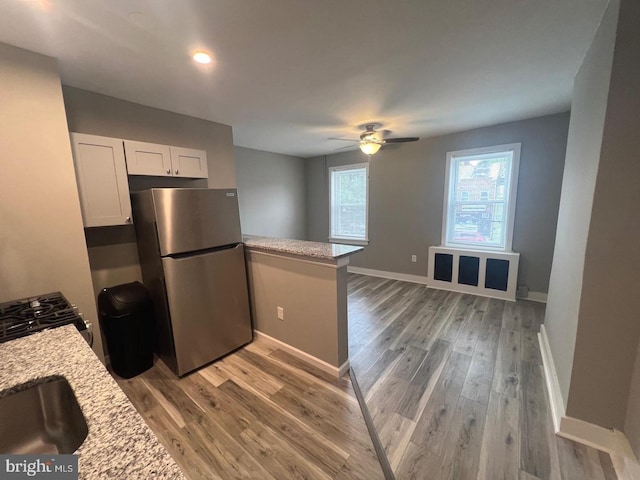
<point x="514" y="148"/>
<point x="349" y="240"/>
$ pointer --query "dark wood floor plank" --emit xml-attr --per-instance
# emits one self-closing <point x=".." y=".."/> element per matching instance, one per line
<point x="384" y="397"/>
<point x="578" y="461"/>
<point x="249" y="374"/>
<point x="494" y="313"/>
<point x="511" y="316"/>
<point x="530" y="349"/>
<point x="312" y="445"/>
<point x="358" y="467"/>
<point x="500" y="454"/>
<point x="484" y="338"/>
<point x="461" y="315"/>
<point x="469" y="333"/>
<point x="409" y="361"/>
<point x="218" y="406"/>
<point x="477" y="385"/>
<point x="418" y="463"/>
<point x="379" y="368"/>
<point x="435" y="420"/>
<point x="534" y="445"/>
<point x="461" y="458"/>
<point x="269" y="367"/>
<point x="225" y="453"/>
<point x="395" y="433"/>
<point x="435" y="322"/>
<point x="506" y="375"/>
<point x="333" y="422"/>
<point x="487" y="345"/>
<point x="425" y="375"/>
<point x="277" y="456"/>
<point x="177" y="443"/>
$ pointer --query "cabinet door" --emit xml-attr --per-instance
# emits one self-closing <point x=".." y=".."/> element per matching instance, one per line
<point x="147" y="158"/>
<point x="188" y="162"/>
<point x="102" y="180"/>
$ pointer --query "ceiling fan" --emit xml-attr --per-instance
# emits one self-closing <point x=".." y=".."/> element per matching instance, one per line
<point x="371" y="139"/>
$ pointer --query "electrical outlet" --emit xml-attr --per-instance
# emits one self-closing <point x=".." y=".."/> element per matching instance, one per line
<point x="280" y="313"/>
<point x="414" y="258"/>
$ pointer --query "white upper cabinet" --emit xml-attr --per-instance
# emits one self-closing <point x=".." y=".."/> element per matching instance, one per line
<point x="165" y="161"/>
<point x="148" y="158"/>
<point x="187" y="162"/>
<point x="102" y="180"/>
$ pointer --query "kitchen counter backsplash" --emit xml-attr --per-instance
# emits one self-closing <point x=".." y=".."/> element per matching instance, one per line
<point x="119" y="443"/>
<point x="327" y="251"/>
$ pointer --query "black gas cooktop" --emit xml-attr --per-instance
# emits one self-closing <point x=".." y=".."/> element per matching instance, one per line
<point x="34" y="314"/>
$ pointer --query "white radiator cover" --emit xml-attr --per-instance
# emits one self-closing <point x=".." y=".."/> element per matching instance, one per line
<point x="510" y="283"/>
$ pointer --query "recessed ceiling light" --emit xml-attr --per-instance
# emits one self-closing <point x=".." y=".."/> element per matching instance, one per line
<point x="202" y="57"/>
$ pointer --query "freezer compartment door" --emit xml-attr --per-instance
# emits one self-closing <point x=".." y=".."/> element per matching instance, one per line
<point x="190" y="219"/>
<point x="209" y="305"/>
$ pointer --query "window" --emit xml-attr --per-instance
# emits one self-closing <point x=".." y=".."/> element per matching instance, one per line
<point x="349" y="198"/>
<point x="480" y="197"/>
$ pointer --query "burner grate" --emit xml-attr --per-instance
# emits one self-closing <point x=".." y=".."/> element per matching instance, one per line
<point x="33" y="314"/>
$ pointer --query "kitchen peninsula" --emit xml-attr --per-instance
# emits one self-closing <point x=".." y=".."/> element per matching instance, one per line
<point x="298" y="294"/>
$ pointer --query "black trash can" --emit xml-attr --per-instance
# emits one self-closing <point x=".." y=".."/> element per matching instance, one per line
<point x="126" y="318"/>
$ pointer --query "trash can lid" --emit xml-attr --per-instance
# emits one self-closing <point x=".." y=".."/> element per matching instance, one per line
<point x="123" y="299"/>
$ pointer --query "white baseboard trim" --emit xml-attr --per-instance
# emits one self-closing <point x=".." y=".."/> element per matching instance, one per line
<point x="338" y="372"/>
<point x="536" y="297"/>
<point x="406" y="277"/>
<point x="551" y="377"/>
<point x="424" y="280"/>
<point x="611" y="441"/>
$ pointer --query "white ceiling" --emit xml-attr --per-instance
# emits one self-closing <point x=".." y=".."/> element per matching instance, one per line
<point x="289" y="74"/>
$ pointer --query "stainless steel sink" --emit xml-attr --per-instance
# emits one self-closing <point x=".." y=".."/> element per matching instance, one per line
<point x="43" y="418"/>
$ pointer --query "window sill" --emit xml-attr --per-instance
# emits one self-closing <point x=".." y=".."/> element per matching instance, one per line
<point x="349" y="241"/>
<point x="475" y="248"/>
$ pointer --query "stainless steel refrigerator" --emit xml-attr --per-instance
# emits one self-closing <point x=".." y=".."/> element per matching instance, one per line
<point x="192" y="260"/>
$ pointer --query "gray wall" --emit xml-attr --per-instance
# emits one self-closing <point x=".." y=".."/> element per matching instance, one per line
<point x="592" y="315"/>
<point x="113" y="253"/>
<point x="271" y="192"/>
<point x="589" y="105"/>
<point x="609" y="305"/>
<point x="407" y="193"/>
<point x="42" y="246"/>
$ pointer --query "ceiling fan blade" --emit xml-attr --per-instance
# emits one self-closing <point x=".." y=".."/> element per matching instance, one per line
<point x="401" y="140"/>
<point x="344" y="148"/>
<point x="344" y="139"/>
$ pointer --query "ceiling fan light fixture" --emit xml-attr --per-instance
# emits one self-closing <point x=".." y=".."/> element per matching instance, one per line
<point x="202" y="57"/>
<point x="369" y="147"/>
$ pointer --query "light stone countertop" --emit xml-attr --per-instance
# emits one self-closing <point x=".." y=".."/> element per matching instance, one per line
<point x="119" y="443"/>
<point x="327" y="251"/>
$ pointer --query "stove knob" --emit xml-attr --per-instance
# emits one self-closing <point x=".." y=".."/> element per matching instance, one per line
<point x="74" y="307"/>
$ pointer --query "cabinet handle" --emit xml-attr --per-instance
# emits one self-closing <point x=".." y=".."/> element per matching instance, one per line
<point x="177" y="172"/>
<point x="168" y="171"/>
<point x="127" y="220"/>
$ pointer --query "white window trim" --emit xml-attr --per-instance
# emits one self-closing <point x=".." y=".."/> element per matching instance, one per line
<point x="513" y="194"/>
<point x="350" y="240"/>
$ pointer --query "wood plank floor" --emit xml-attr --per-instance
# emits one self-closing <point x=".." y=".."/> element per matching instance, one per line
<point x="455" y="386"/>
<point x="257" y="414"/>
